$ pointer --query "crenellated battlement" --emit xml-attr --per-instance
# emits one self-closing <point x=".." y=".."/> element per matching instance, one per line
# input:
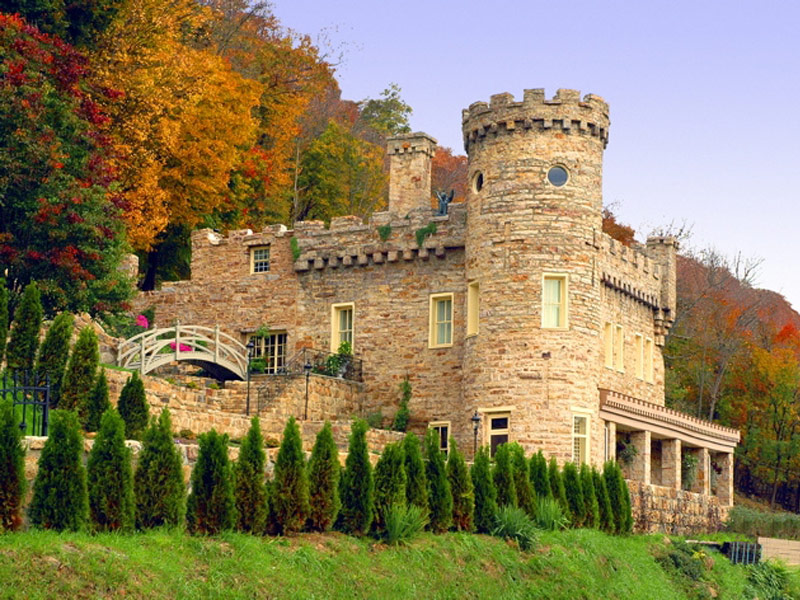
<point x="565" y="112"/>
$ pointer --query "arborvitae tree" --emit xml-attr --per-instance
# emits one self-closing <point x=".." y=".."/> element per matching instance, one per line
<point x="290" y="498"/>
<point x="158" y="481"/>
<point x="440" y="498"/>
<point x="211" y="507"/>
<point x="618" y="497"/>
<point x="111" y="502"/>
<point x="98" y="402"/>
<point x="557" y="487"/>
<point x="80" y="374"/>
<point x="53" y="353"/>
<point x="591" y="512"/>
<point x="323" y="481"/>
<point x="3" y="317"/>
<point x="132" y="407"/>
<point x="485" y="492"/>
<point x="390" y="483"/>
<point x="572" y="487"/>
<point x="416" y="483"/>
<point x="503" y="475"/>
<point x="60" y="498"/>
<point x="522" y="483"/>
<point x="356" y="487"/>
<point x="603" y="502"/>
<point x="21" y="351"/>
<point x="250" y="485"/>
<point x="539" y="479"/>
<point x="462" y="490"/>
<point x="12" y="469"/>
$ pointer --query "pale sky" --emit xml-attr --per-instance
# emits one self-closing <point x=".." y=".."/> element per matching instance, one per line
<point x="704" y="97"/>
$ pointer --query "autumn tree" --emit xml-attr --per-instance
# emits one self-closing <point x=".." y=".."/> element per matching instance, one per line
<point x="449" y="172"/>
<point x="78" y="23"/>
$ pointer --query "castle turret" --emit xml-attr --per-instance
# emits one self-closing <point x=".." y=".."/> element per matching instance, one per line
<point x="410" y="156"/>
<point x="534" y="209"/>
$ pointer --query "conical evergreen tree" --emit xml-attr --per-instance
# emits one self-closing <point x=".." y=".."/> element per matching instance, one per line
<point x="461" y="489"/>
<point x="485" y="492"/>
<point x="416" y="484"/>
<point x="132" y="407"/>
<point x="21" y="350"/>
<point x="356" y="486"/>
<point x="211" y="508"/>
<point x="440" y="498"/>
<point x="60" y="498"/>
<point x="323" y="485"/>
<point x="53" y="353"/>
<point x="557" y="487"/>
<point x="80" y="374"/>
<point x="3" y="317"/>
<point x="603" y="502"/>
<point x="522" y="483"/>
<point x="591" y="512"/>
<point x="250" y="488"/>
<point x="503" y="475"/>
<point x="618" y="497"/>
<point x="98" y="402"/>
<point x="111" y="502"/>
<point x="390" y="483"/>
<point x="158" y="481"/>
<point x="539" y="479"/>
<point x="291" y="481"/>
<point x="574" y="493"/>
<point x="12" y="469"/>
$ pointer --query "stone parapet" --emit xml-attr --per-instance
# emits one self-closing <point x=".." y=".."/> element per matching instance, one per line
<point x="677" y="512"/>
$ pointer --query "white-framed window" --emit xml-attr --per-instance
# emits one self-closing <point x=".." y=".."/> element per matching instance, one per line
<point x="259" y="259"/>
<point x="638" y="355"/>
<point x="608" y="345"/>
<point x="442" y="429"/>
<point x="342" y="325"/>
<point x="619" y="348"/>
<point x="271" y="349"/>
<point x="498" y="425"/>
<point x="648" y="360"/>
<point x="473" y="307"/>
<point x="554" y="301"/>
<point x="580" y="438"/>
<point x="441" y="321"/>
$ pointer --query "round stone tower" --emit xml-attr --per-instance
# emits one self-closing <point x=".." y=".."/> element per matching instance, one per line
<point x="534" y="211"/>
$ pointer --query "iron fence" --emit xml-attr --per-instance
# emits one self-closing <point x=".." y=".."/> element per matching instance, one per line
<point x="30" y="397"/>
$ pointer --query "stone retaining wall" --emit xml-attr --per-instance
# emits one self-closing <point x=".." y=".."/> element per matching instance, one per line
<point x="678" y="512"/>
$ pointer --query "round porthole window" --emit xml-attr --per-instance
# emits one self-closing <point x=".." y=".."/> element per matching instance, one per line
<point x="557" y="176"/>
<point x="477" y="181"/>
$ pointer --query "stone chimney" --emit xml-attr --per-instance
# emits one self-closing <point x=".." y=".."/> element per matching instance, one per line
<point x="410" y="157"/>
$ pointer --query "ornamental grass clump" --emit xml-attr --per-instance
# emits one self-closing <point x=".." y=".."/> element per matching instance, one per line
<point x="211" y="507"/>
<point x="250" y="490"/>
<point x="390" y="483"/>
<point x="12" y="469"/>
<point x="356" y="486"/>
<point x="404" y="522"/>
<point x="440" y="498"/>
<point x="513" y="523"/>
<point x="324" y="472"/>
<point x="290" y="483"/>
<point x="485" y="492"/>
<point x="549" y="515"/>
<point x="461" y="489"/>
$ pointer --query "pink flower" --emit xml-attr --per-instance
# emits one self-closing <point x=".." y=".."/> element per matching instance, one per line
<point x="141" y="321"/>
<point x="184" y="347"/>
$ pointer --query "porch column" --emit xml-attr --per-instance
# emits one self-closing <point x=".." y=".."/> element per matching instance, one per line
<point x="611" y="441"/>
<point x="725" y="480"/>
<point x="640" y="469"/>
<point x="671" y="464"/>
<point x="702" y="481"/>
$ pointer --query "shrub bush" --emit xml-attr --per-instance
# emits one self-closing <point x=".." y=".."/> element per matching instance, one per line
<point x="250" y="490"/>
<point x="557" y="487"/>
<point x="404" y="522"/>
<point x="485" y="492"/>
<point x="356" y="486"/>
<point x="606" y="513"/>
<point x="3" y="317"/>
<point x="12" y="468"/>
<point x="111" y="501"/>
<point x="755" y="523"/>
<point x="53" y="353"/>
<point x="549" y="515"/>
<point x="290" y="499"/>
<point x="158" y="481"/>
<point x="526" y="499"/>
<point x="80" y="374"/>
<point x="21" y="350"/>
<point x="538" y="475"/>
<point x="416" y="483"/>
<point x="503" y="475"/>
<point x="390" y="483"/>
<point x="211" y="508"/>
<point x="619" y="497"/>
<point x="770" y="581"/>
<point x="132" y="407"/>
<point x="462" y="490"/>
<point x="402" y="416"/>
<point x="323" y="474"/>
<point x="574" y="493"/>
<point x="513" y="523"/>
<point x="440" y="498"/>
<point x="98" y="402"/>
<point x="591" y="512"/>
<point x="60" y="498"/>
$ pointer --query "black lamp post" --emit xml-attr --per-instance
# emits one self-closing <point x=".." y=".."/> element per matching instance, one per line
<point x="307" y="368"/>
<point x="250" y="346"/>
<point x="476" y="421"/>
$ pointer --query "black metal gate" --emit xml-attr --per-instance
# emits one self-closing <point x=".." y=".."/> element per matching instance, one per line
<point x="30" y="399"/>
<point x="748" y="553"/>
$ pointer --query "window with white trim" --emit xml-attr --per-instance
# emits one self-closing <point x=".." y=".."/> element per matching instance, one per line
<point x="497" y="425"/>
<point x="648" y="360"/>
<point x="441" y="320"/>
<point x="442" y="429"/>
<point x="580" y="439"/>
<point x="554" y="301"/>
<point x="271" y="349"/>
<point x="619" y="348"/>
<point x="473" y="306"/>
<point x="638" y="355"/>
<point x="259" y="259"/>
<point x="342" y="325"/>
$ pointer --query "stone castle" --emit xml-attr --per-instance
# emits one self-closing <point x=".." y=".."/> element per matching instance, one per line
<point x="514" y="317"/>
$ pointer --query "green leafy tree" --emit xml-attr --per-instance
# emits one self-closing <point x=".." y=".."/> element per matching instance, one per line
<point x="290" y="498"/>
<point x="591" y="511"/>
<point x="538" y="474"/>
<point x="390" y="484"/>
<point x="403" y="415"/>
<point x="98" y="402"/>
<point x="132" y="407"/>
<point x="357" y="487"/>
<point x="158" y="481"/>
<point x="574" y="492"/>
<point x="78" y="23"/>
<point x="440" y="498"/>
<point x="80" y="374"/>
<point x="324" y="472"/>
<point x="461" y="489"/>
<point x="522" y="483"/>
<point x="387" y="115"/>
<point x="211" y="508"/>
<point x="618" y="497"/>
<point x="12" y="469"/>
<point x="111" y="501"/>
<point x="503" y="475"/>
<point x="3" y="317"/>
<point x="557" y="487"/>
<point x="60" y="498"/>
<point x="250" y="488"/>
<point x="24" y="340"/>
<point x="53" y="353"/>
<point x="606" y="522"/>
<point x="416" y="483"/>
<point x="485" y="492"/>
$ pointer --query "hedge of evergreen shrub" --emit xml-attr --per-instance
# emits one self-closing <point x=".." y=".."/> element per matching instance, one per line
<point x="356" y="486"/>
<point x="440" y="498"/>
<point x="416" y="483"/>
<point x="98" y="402"/>
<point x="290" y="482"/>
<point x="250" y="490"/>
<point x="51" y="361"/>
<point x="538" y="474"/>
<point x="574" y="493"/>
<point x="132" y="407"/>
<point x="618" y="496"/>
<point x="80" y="373"/>
<point x="324" y="472"/>
<point x="12" y="468"/>
<point x="461" y="489"/>
<point x="503" y="475"/>
<point x="606" y="513"/>
<point x="591" y="512"/>
<point x="211" y="508"/>
<point x="390" y="484"/>
<point x="485" y="492"/>
<point x="557" y="486"/>
<point x="21" y="349"/>
<point x="3" y="316"/>
<point x="526" y="500"/>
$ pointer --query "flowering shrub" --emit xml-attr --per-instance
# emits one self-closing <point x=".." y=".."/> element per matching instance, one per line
<point x="141" y="321"/>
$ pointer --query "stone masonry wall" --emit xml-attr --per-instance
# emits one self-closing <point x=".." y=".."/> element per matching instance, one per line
<point x="677" y="512"/>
